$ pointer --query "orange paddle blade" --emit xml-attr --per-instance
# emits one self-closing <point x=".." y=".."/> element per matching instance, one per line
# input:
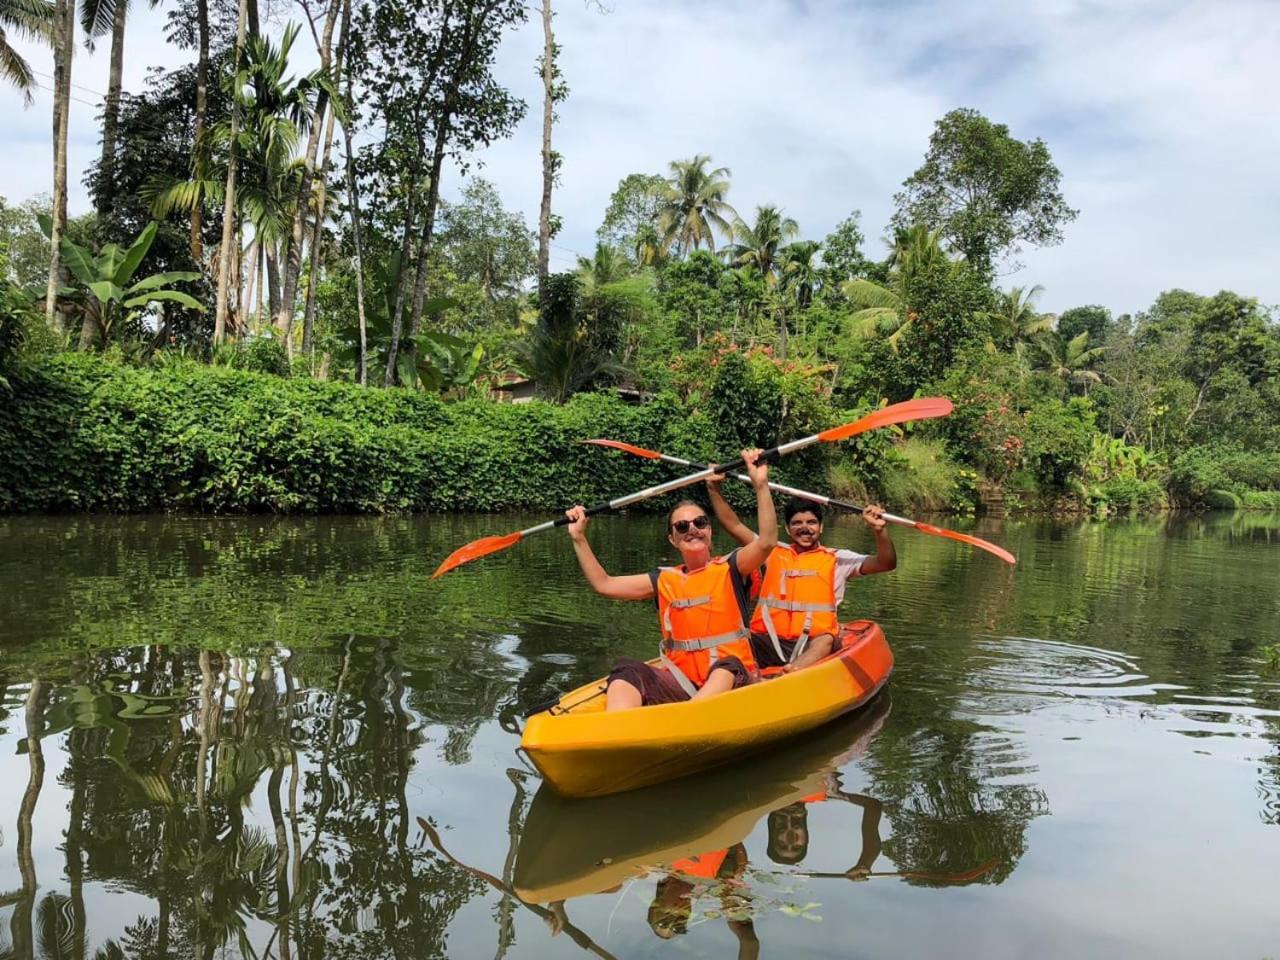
<point x="968" y="876"/>
<point x="475" y="550"/>
<point x="923" y="408"/>
<point x="978" y="542"/>
<point x="629" y="448"/>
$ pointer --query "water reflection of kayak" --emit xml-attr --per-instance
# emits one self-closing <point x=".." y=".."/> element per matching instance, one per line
<point x="572" y="848"/>
<point x="583" y="751"/>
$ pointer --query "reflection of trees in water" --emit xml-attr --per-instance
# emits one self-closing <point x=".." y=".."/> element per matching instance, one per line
<point x="947" y="793"/>
<point x="165" y="751"/>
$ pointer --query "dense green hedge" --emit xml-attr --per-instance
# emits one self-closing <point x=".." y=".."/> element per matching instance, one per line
<point x="83" y="433"/>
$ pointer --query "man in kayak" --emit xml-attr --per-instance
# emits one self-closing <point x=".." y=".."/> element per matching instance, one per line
<point x="702" y="604"/>
<point x="795" y="622"/>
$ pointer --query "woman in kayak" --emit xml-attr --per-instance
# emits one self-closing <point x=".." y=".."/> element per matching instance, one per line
<point x="702" y="604"/>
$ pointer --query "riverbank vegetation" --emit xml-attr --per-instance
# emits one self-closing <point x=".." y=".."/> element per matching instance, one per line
<point x="262" y="322"/>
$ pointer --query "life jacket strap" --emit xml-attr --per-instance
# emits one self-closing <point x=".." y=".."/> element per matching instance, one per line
<point x="703" y="643"/>
<point x="786" y="574"/>
<point x="684" y="682"/>
<point x="795" y="606"/>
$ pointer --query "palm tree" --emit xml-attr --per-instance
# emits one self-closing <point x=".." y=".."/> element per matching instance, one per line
<point x="1015" y="318"/>
<point x="64" y="32"/>
<point x="757" y="247"/>
<point x="607" y="265"/>
<point x="691" y="203"/>
<point x="799" y="270"/>
<point x="273" y="111"/>
<point x="29" y="18"/>
<point x="1070" y="360"/>
<point x="883" y="308"/>
<point x="98" y="17"/>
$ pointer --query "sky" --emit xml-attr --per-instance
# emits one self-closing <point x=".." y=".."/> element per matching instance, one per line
<point x="1155" y="111"/>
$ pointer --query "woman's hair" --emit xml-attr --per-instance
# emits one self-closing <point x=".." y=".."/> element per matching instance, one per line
<point x="799" y="505"/>
<point x="681" y="505"/>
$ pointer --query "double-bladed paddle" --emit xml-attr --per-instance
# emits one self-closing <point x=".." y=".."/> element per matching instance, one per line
<point x="968" y="876"/>
<point x="922" y="408"/>
<point x="928" y="528"/>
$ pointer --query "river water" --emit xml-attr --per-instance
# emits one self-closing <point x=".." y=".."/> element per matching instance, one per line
<point x="261" y="737"/>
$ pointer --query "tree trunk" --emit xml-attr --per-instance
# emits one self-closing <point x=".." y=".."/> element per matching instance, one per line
<point x="246" y="302"/>
<point x="428" y="228"/>
<point x="322" y="197"/>
<point x="229" y="204"/>
<point x="548" y="116"/>
<point x="202" y="108"/>
<point x="397" y="308"/>
<point x="353" y="197"/>
<point x="64" y="26"/>
<point x="294" y="241"/>
<point x="111" y="112"/>
<point x="273" y="281"/>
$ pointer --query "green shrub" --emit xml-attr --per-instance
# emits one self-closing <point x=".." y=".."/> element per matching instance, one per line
<point x="83" y="433"/>
<point x="263" y="355"/>
<point x="919" y="475"/>
<point x="1261" y="500"/>
<point x="1222" y="500"/>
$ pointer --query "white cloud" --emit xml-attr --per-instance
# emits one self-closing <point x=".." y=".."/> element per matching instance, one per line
<point x="1156" y="110"/>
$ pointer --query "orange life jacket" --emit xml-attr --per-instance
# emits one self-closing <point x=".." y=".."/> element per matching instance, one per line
<point x="701" y="619"/>
<point x="798" y="596"/>
<point x="705" y="865"/>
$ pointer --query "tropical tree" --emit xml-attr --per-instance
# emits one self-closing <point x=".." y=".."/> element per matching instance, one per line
<point x="1071" y="360"/>
<point x="986" y="191"/>
<point x="64" y="28"/>
<point x="98" y="18"/>
<point x="568" y="350"/>
<point x="607" y="265"/>
<point x="799" y="271"/>
<point x="271" y="111"/>
<point x="757" y="246"/>
<point x="883" y="308"/>
<point x="632" y="212"/>
<point x="1015" y="318"/>
<point x="692" y="205"/>
<point x="33" y="19"/>
<point x="109" y="296"/>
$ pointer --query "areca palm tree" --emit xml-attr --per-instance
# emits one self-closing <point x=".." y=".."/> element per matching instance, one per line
<point x="883" y="308"/>
<point x="1071" y="360"/>
<point x="692" y="205"/>
<point x="274" y="113"/>
<point x="1015" y="318"/>
<point x="757" y="246"/>
<point x="28" y="18"/>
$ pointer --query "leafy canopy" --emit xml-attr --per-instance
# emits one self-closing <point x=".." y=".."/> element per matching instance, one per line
<point x="984" y="190"/>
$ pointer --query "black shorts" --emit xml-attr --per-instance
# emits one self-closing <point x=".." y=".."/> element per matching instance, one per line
<point x="766" y="656"/>
<point x="656" y="685"/>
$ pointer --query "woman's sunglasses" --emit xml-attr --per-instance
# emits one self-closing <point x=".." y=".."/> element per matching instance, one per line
<point x="682" y="526"/>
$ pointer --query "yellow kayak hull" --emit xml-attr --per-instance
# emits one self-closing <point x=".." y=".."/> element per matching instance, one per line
<point x="583" y="751"/>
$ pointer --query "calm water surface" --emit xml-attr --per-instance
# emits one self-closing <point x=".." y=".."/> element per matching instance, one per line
<point x="278" y="738"/>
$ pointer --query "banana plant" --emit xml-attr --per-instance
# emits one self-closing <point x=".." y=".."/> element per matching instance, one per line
<point x="446" y="364"/>
<point x="108" y="296"/>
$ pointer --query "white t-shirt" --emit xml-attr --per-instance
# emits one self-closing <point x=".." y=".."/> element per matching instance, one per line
<point x="848" y="564"/>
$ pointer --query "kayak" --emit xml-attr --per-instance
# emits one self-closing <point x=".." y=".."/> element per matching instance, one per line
<point x="574" y="848"/>
<point x="583" y="751"/>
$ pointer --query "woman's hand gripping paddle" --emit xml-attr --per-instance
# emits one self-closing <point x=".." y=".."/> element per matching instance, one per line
<point x="921" y="409"/>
